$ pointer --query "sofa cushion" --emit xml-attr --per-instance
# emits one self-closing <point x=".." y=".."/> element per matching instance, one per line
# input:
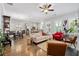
<point x="43" y="34"/>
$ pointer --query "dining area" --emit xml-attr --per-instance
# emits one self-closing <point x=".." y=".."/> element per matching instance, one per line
<point x="10" y="38"/>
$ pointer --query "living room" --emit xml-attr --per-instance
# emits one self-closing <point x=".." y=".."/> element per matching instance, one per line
<point x="39" y="29"/>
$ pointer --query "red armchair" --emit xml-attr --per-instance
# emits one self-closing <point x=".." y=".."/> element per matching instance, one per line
<point x="58" y="36"/>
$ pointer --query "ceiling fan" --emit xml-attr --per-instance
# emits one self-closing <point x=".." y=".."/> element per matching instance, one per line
<point x="46" y="7"/>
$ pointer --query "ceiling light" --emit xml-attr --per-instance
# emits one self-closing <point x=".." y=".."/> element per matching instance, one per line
<point x="46" y="7"/>
<point x="46" y="11"/>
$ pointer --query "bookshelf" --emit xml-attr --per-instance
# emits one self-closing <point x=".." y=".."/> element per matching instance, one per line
<point x="6" y="24"/>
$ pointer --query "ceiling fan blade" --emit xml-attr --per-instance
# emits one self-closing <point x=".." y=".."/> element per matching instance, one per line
<point x="49" y="5"/>
<point x="50" y="9"/>
<point x="41" y="7"/>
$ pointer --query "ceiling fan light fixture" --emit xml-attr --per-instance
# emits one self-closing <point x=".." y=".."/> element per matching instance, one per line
<point x="46" y="11"/>
<point x="46" y="7"/>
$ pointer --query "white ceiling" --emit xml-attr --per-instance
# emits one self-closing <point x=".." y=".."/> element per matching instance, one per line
<point x="33" y="12"/>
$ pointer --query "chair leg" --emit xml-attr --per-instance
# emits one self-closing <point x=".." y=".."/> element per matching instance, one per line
<point x="74" y="45"/>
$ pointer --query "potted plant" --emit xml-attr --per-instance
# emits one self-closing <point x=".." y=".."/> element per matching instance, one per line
<point x="1" y="45"/>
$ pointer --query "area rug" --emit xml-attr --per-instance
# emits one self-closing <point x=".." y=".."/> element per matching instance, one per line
<point x="43" y="46"/>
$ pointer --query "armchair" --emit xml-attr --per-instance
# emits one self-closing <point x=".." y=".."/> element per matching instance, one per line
<point x="72" y="41"/>
<point x="58" y="36"/>
<point x="56" y="48"/>
<point x="6" y="41"/>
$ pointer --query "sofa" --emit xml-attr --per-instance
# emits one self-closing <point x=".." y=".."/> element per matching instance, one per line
<point x="39" y="37"/>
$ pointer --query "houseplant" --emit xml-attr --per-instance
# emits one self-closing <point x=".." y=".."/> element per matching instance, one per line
<point x="69" y="28"/>
<point x="1" y="45"/>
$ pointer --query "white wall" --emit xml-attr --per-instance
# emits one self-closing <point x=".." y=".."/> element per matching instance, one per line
<point x="58" y="21"/>
<point x="68" y="15"/>
<point x="17" y="24"/>
<point x="1" y="21"/>
<point x="61" y="18"/>
<point x="0" y="18"/>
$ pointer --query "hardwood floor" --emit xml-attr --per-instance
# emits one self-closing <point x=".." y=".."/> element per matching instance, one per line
<point x="23" y="47"/>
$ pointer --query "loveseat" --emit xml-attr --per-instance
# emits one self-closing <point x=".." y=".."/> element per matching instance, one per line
<point x="39" y="37"/>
